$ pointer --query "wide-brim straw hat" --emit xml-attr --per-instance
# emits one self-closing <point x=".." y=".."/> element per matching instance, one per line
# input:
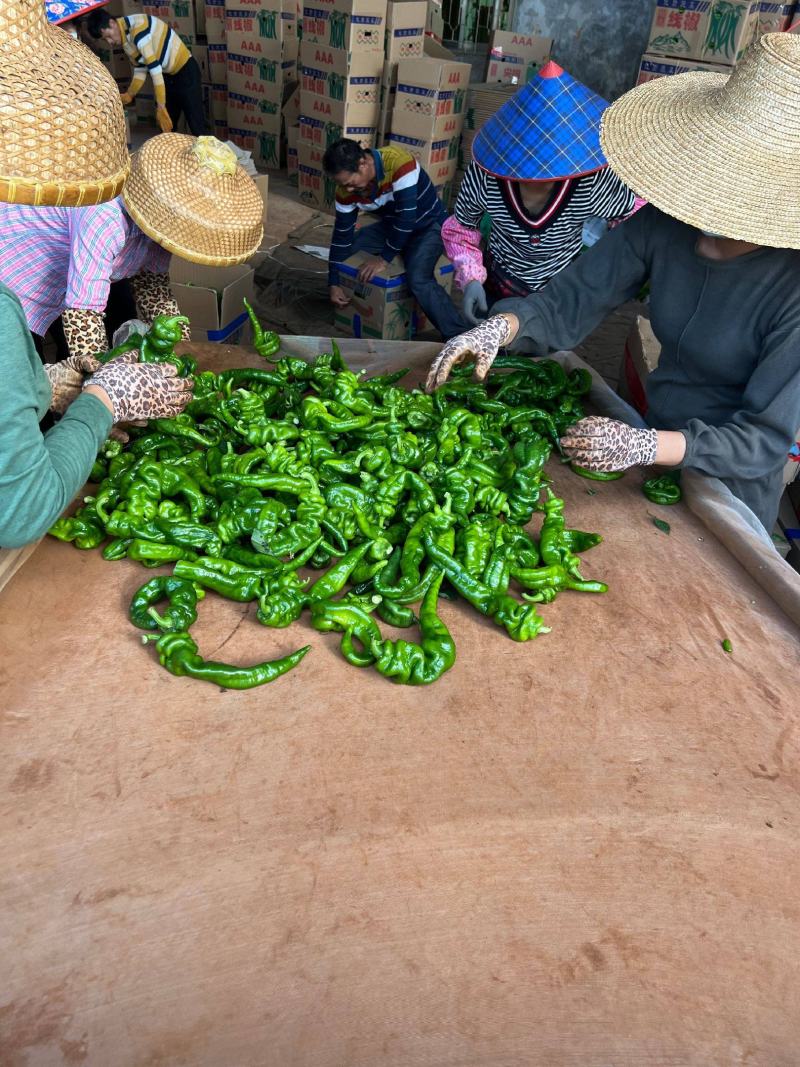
<point x="717" y="152"/>
<point x="193" y="198"/>
<point x="548" y="131"/>
<point x="62" y="129"/>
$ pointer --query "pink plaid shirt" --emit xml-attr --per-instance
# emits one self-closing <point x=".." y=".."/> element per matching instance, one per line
<point x="61" y="257"/>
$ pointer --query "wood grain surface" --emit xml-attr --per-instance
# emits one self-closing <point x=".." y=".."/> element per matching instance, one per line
<point x="578" y="851"/>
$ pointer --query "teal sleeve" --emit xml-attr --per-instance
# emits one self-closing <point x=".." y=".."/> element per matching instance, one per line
<point x="39" y="473"/>
<point x="575" y="301"/>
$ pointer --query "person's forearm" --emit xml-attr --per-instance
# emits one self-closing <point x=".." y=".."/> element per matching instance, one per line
<point x="670" y="448"/>
<point x="137" y="81"/>
<point x="159" y="88"/>
<point x="39" y="494"/>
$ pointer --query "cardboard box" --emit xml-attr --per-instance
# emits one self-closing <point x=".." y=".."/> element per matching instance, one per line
<point x="212" y="297"/>
<point x="434" y="23"/>
<point x="314" y="188"/>
<point x="383" y="308"/>
<point x="795" y="24"/>
<point x="218" y="102"/>
<point x="774" y="18"/>
<point x="215" y="21"/>
<point x="217" y="64"/>
<point x="430" y="154"/>
<point x="405" y="29"/>
<point x="260" y="29"/>
<point x="220" y="129"/>
<point x="200" y="53"/>
<point x="715" y="31"/>
<point x="515" y="58"/>
<point x="256" y="113"/>
<point x="318" y="134"/>
<point x="653" y="67"/>
<point x="178" y="14"/>
<point x="145" y="106"/>
<point x="258" y="75"/>
<point x="291" y="107"/>
<point x="431" y="98"/>
<point x="353" y="25"/>
<point x="292" y="135"/>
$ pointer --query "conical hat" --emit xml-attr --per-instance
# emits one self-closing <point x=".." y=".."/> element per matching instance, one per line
<point x="717" y="152"/>
<point x="62" y="130"/>
<point x="191" y="196"/>
<point x="547" y="131"/>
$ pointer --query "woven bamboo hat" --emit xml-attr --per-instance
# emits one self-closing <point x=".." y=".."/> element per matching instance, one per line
<point x="62" y="130"/>
<point x="191" y="196"/>
<point x="717" y="152"/>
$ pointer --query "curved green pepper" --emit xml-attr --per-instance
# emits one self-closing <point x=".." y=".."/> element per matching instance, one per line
<point x="178" y="653"/>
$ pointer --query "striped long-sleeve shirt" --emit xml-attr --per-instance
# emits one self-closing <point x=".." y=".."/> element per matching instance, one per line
<point x="66" y="257"/>
<point x="403" y="195"/>
<point x="152" y="47"/>
<point x="531" y="249"/>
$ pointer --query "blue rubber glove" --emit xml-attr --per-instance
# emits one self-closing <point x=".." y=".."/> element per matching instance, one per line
<point x="475" y="305"/>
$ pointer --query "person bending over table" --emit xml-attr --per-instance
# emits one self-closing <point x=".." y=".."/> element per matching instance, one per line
<point x="716" y="157"/>
<point x="539" y="192"/>
<point x="65" y="261"/>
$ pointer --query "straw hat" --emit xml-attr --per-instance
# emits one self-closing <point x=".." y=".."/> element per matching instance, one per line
<point x="191" y="196"/>
<point x="548" y="131"/>
<point x="62" y="130"/>
<point x="717" y="152"/>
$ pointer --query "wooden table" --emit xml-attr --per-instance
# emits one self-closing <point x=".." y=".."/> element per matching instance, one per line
<point x="582" y="850"/>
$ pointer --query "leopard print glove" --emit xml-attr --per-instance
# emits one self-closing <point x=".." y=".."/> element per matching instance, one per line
<point x="84" y="331"/>
<point x="600" y="444"/>
<point x="143" y="390"/>
<point x="483" y="342"/>
<point x="154" y="297"/>
<point x="66" y="380"/>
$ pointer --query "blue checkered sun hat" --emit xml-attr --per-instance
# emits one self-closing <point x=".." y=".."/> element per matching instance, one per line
<point x="548" y="131"/>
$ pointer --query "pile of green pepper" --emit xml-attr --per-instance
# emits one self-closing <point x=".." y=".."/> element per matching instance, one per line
<point x="398" y="497"/>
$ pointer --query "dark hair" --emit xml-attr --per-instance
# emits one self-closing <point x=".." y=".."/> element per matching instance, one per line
<point x="96" y="22"/>
<point x="343" y="156"/>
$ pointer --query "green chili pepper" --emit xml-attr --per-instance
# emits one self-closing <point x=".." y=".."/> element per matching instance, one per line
<point x="665" y="489"/>
<point x="182" y="596"/>
<point x="178" y="653"/>
<point x="597" y="476"/>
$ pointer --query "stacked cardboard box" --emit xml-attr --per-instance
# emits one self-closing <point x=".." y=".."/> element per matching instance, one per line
<point x="515" y="58"/>
<point x="434" y="23"/>
<point x="774" y="17"/>
<point x="261" y="43"/>
<point x="178" y="14"/>
<point x="428" y="116"/>
<point x="405" y="38"/>
<point x="653" y="67"/>
<point x="341" y="63"/>
<point x="711" y="31"/>
<point x="482" y="102"/>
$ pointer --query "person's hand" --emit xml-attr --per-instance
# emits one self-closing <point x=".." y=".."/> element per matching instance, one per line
<point x="600" y="444"/>
<point x="483" y="342"/>
<point x="338" y="296"/>
<point x="65" y="385"/>
<point x="126" y="99"/>
<point x="475" y="305"/>
<point x="66" y="379"/>
<point x="142" y="390"/>
<point x="371" y="266"/>
<point x="163" y="120"/>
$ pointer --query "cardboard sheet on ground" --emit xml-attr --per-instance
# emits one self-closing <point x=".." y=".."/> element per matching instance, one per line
<point x="578" y="851"/>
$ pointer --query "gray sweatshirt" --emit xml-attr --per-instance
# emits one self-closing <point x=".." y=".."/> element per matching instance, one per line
<point x="729" y="373"/>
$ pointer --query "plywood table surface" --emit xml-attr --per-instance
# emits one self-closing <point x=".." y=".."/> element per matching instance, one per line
<point x="582" y="850"/>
